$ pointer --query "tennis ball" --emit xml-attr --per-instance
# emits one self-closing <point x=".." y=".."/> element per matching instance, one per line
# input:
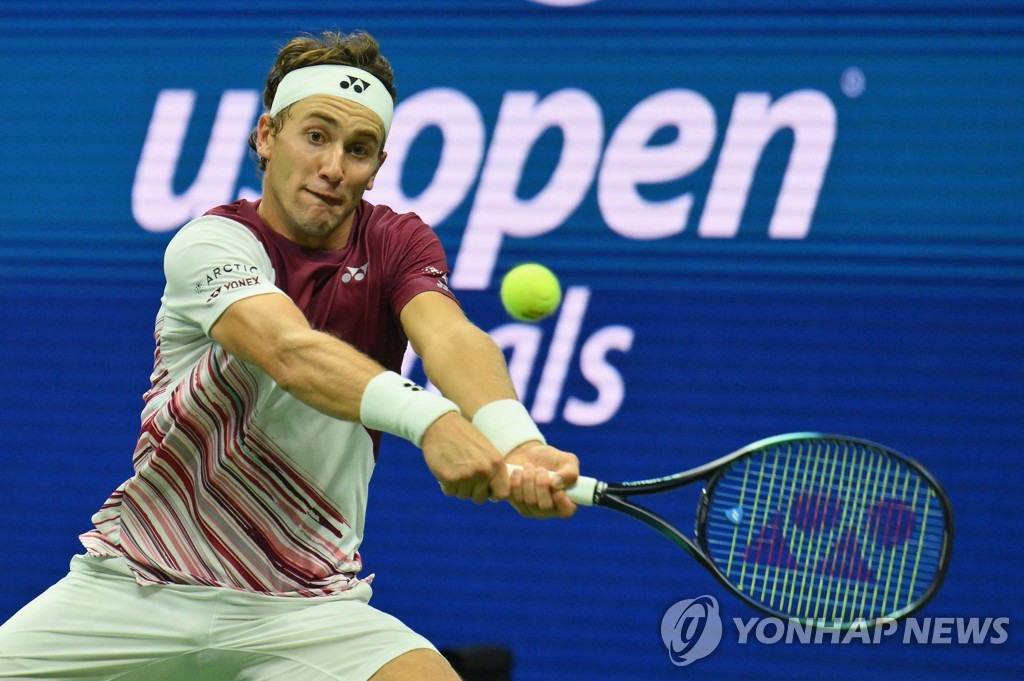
<point x="530" y="292"/>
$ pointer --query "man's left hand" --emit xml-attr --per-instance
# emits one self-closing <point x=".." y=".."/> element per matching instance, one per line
<point x="538" y="488"/>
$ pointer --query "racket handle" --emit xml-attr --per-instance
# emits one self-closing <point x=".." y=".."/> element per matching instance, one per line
<point x="582" y="493"/>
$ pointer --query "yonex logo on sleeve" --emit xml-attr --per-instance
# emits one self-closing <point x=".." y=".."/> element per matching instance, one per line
<point x="226" y="276"/>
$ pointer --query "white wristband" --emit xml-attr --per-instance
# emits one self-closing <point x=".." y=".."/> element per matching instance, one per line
<point x="507" y="424"/>
<point x="396" y="405"/>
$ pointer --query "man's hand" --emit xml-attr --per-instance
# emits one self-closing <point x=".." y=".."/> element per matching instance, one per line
<point x="537" y="490"/>
<point x="463" y="461"/>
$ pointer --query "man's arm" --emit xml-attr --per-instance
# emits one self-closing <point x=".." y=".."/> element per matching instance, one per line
<point x="467" y="366"/>
<point x="458" y="357"/>
<point x="332" y="376"/>
<point x="318" y="369"/>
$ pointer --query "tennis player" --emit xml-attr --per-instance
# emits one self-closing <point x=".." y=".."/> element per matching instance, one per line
<point x="233" y="551"/>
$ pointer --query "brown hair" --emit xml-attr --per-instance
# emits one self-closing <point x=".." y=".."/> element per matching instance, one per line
<point x="357" y="49"/>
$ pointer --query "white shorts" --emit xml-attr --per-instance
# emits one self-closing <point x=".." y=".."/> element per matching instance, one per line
<point x="98" y="623"/>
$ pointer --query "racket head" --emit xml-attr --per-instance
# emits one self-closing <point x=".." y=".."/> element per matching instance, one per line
<point x="829" y="530"/>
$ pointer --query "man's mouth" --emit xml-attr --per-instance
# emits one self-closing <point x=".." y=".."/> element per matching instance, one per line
<point x="329" y="199"/>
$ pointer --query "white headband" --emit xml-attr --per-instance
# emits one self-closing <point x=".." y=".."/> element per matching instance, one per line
<point x="347" y="82"/>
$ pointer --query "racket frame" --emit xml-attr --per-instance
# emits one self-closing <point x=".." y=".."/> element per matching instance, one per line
<point x="615" y="496"/>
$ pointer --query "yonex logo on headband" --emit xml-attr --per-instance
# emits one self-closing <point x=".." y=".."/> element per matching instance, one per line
<point x="357" y="84"/>
<point x="347" y="82"/>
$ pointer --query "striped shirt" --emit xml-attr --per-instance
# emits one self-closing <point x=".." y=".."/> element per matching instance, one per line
<point x="237" y="483"/>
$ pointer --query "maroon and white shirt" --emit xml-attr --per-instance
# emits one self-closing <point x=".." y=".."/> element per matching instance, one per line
<point x="237" y="483"/>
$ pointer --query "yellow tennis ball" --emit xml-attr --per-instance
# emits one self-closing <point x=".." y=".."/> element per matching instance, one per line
<point x="530" y="292"/>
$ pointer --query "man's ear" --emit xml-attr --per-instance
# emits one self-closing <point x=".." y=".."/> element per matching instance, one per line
<point x="264" y="131"/>
<point x="380" y="161"/>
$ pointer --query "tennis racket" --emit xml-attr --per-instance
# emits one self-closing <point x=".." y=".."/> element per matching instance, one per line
<point x="828" y="530"/>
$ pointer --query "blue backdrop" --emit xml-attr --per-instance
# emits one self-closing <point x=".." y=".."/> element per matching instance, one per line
<point x="767" y="217"/>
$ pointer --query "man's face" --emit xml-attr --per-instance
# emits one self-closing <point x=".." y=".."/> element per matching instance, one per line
<point x="319" y="163"/>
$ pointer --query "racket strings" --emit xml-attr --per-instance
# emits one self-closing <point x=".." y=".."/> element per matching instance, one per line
<point x="829" y="531"/>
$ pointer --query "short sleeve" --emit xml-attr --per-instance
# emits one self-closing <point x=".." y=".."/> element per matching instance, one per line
<point x="421" y="267"/>
<point x="211" y="263"/>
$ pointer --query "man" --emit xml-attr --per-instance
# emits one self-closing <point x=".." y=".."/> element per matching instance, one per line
<point x="233" y="550"/>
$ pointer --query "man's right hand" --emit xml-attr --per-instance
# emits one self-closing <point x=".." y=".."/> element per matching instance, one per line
<point x="464" y="461"/>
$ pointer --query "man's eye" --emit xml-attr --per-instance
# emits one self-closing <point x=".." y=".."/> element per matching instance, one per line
<point x="315" y="136"/>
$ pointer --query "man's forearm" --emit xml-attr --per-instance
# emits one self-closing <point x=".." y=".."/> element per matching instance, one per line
<point x="326" y="373"/>
<point x="469" y="369"/>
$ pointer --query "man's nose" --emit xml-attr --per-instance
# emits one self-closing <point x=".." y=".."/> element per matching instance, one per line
<point x="332" y="166"/>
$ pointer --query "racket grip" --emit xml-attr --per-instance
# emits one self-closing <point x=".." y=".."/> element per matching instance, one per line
<point x="582" y="493"/>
